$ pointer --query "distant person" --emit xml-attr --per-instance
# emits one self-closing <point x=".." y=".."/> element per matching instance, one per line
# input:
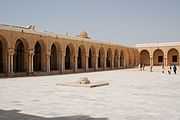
<point x="174" y="69"/>
<point x="169" y="70"/>
<point x="163" y="70"/>
<point x="143" y="67"/>
<point x="170" y="67"/>
<point x="151" y="67"/>
<point x="140" y="67"/>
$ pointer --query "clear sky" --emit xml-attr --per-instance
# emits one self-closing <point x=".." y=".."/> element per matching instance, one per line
<point x="125" y="21"/>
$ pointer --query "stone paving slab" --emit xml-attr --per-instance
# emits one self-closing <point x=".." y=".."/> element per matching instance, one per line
<point x="131" y="95"/>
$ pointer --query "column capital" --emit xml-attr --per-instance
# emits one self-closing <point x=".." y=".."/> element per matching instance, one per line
<point x="62" y="52"/>
<point x="11" y="51"/>
<point x="63" y="55"/>
<point x="87" y="54"/>
<point x="30" y="51"/>
<point x="165" y="56"/>
<point x="95" y="55"/>
<point x="48" y="53"/>
<point x="75" y="56"/>
<point x="10" y="60"/>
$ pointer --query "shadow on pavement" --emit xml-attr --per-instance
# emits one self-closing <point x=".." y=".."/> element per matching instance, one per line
<point x="15" y="115"/>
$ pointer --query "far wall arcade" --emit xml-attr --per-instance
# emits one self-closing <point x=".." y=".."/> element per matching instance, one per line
<point x="159" y="53"/>
<point x="24" y="51"/>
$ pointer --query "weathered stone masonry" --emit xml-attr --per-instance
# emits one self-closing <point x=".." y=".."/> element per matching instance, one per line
<point x="156" y="54"/>
<point x="24" y="51"/>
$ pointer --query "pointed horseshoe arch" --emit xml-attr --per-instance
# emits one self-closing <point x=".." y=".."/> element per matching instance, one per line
<point x="145" y="57"/>
<point x="158" y="57"/>
<point x="116" y="54"/>
<point x="122" y="58"/>
<point x="1" y="58"/>
<point x="101" y="58"/>
<point x="81" y="63"/>
<point x="19" y="57"/>
<point x="173" y="56"/>
<point x="37" y="59"/>
<point x="109" y="58"/>
<point x="3" y="55"/>
<point x="53" y="58"/>
<point x="69" y="57"/>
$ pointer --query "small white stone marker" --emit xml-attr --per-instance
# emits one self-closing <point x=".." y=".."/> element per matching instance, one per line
<point x="84" y="80"/>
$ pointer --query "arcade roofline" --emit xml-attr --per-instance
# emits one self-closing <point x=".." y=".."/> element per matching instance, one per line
<point x="30" y="29"/>
<point x="163" y="44"/>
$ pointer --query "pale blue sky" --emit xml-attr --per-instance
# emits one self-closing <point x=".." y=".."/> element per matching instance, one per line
<point x="125" y="21"/>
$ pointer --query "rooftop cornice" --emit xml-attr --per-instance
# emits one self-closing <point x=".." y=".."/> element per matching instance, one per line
<point x="54" y="35"/>
<point x="163" y="44"/>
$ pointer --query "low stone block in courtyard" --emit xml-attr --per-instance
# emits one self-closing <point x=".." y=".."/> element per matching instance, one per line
<point x="84" y="82"/>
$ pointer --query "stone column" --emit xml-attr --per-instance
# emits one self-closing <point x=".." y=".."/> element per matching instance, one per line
<point x="86" y="63"/>
<point x="165" y="60"/>
<point x="124" y="64"/>
<point x="62" y="62"/>
<point x="10" y="61"/>
<point x="151" y="61"/>
<point x="48" y="61"/>
<point x="112" y="63"/>
<point x="151" y="58"/>
<point x="30" y="61"/>
<point x="75" y="63"/>
<point x="179" y="59"/>
<point x="118" y="61"/>
<point x="104" y="62"/>
<point x="95" y="58"/>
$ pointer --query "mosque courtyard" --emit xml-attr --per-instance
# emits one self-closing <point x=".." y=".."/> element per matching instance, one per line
<point x="131" y="95"/>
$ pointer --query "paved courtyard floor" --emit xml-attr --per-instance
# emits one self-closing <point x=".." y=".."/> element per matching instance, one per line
<point x="131" y="95"/>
